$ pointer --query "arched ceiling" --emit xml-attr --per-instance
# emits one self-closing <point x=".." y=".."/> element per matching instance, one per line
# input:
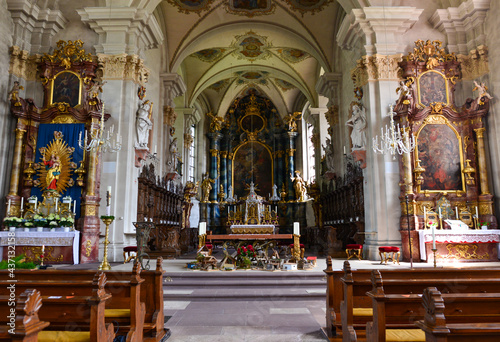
<point x="222" y="47"/>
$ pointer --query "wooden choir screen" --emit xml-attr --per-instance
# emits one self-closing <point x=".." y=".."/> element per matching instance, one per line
<point x="160" y="201"/>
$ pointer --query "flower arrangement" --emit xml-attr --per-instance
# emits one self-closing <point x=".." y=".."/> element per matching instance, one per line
<point x="244" y="256"/>
<point x="28" y="223"/>
<point x="485" y="223"/>
<point x="53" y="220"/>
<point x="432" y="224"/>
<point x="66" y="222"/>
<point x="13" y="221"/>
<point x="39" y="221"/>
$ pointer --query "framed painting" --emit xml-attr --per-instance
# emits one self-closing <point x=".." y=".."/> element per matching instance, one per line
<point x="432" y="87"/>
<point x="66" y="87"/>
<point x="439" y="149"/>
<point x="252" y="162"/>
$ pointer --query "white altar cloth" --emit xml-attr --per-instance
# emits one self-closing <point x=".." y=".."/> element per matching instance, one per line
<point x="458" y="236"/>
<point x="48" y="238"/>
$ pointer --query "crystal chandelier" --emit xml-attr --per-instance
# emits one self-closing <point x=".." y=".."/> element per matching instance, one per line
<point x="99" y="141"/>
<point x="394" y="140"/>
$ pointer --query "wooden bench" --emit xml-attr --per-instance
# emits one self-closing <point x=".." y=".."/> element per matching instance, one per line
<point x="72" y="317"/>
<point x="460" y="317"/>
<point x="22" y="324"/>
<point x="137" y="297"/>
<point x="394" y="314"/>
<point x="361" y="283"/>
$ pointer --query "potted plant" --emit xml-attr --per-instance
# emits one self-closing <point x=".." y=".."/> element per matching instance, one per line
<point x="485" y="225"/>
<point x="28" y="223"/>
<point x="39" y="222"/>
<point x="244" y="256"/>
<point x="19" y="263"/>
<point x="53" y="221"/>
<point x="66" y="222"/>
<point x="12" y="222"/>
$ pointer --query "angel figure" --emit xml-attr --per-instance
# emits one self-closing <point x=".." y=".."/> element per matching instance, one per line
<point x="404" y="92"/>
<point x="143" y="124"/>
<point x="206" y="187"/>
<point x="483" y="92"/>
<point x="96" y="88"/>
<point x="216" y="124"/>
<point x="290" y="120"/>
<point x="358" y="124"/>
<point x="14" y="93"/>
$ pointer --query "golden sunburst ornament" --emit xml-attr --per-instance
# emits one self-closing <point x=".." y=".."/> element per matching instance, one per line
<point x="55" y="168"/>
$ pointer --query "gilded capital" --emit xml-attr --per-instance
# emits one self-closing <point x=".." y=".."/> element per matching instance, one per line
<point x="20" y="133"/>
<point x="480" y="132"/>
<point x="169" y="115"/>
<point x="290" y="151"/>
<point x="123" y="67"/>
<point x="214" y="152"/>
<point x="223" y="154"/>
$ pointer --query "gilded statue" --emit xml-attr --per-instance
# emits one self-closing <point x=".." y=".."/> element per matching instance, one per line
<point x="299" y="185"/>
<point x="14" y="93"/>
<point x="291" y="119"/>
<point x="206" y="187"/>
<point x="216" y="123"/>
<point x="53" y="167"/>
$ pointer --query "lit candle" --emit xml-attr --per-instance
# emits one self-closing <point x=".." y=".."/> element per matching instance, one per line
<point x="74" y="207"/>
<point x="22" y="203"/>
<point x="456" y="212"/>
<point x="296" y="228"/>
<point x="433" y="238"/>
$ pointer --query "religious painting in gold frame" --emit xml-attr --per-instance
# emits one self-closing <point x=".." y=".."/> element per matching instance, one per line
<point x="439" y="149"/>
<point x="252" y="162"/>
<point x="66" y="87"/>
<point x="432" y="86"/>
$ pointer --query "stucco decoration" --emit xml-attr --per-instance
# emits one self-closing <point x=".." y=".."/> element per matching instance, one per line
<point x="191" y="6"/>
<point x="220" y="85"/>
<point x="209" y="55"/>
<point x="284" y="85"/>
<point x="293" y="55"/>
<point x="251" y="46"/>
<point x="250" y="8"/>
<point x="257" y="77"/>
<point x="308" y="6"/>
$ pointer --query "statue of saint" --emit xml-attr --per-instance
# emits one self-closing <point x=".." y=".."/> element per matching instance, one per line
<point x="329" y="154"/>
<point x="174" y="153"/>
<point x="299" y="186"/>
<point x="206" y="187"/>
<point x="143" y="124"/>
<point x="53" y="167"/>
<point x="358" y="124"/>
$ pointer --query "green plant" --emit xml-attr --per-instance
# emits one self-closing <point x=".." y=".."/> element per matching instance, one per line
<point x="53" y="220"/>
<point x="66" y="222"/>
<point x="19" y="263"/>
<point x="13" y="221"/>
<point x="485" y="223"/>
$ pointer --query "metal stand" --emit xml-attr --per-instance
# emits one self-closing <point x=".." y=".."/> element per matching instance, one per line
<point x="409" y="231"/>
<point x="105" y="266"/>
<point x="434" y="252"/>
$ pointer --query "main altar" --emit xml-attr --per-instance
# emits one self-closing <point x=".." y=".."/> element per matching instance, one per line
<point x="446" y="176"/>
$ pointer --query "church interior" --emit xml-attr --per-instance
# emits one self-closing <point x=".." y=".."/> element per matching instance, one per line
<point x="354" y="141"/>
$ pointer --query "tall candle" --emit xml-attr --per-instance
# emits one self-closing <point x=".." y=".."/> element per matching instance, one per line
<point x="8" y="208"/>
<point x="36" y="203"/>
<point x="74" y="207"/>
<point x="456" y="212"/>
<point x="203" y="228"/>
<point x="296" y="228"/>
<point x="440" y="212"/>
<point x="433" y="238"/>
<point x="22" y="203"/>
<point x="425" y="217"/>
<point x="477" y="215"/>
<point x="43" y="249"/>
<point x="57" y="201"/>
<point x="155" y="148"/>
<point x="344" y="150"/>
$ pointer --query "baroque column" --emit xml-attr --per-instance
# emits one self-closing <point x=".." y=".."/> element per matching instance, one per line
<point x="15" y="177"/>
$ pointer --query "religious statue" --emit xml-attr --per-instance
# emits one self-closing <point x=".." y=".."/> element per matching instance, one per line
<point x="53" y="167"/>
<point x="143" y="124"/>
<point x="206" y="187"/>
<point x="299" y="186"/>
<point x="174" y="153"/>
<point x="329" y="154"/>
<point x="483" y="92"/>
<point x="404" y="92"/>
<point x="216" y="123"/>
<point x="14" y="93"/>
<point x="358" y="124"/>
<point x="290" y="120"/>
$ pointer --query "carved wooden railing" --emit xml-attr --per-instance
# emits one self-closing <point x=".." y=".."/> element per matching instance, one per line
<point x="160" y="201"/>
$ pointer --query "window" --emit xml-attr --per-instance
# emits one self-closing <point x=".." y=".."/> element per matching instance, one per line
<point x="311" y="167"/>
<point x="191" y="154"/>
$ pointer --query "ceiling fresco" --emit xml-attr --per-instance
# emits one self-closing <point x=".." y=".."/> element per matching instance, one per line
<point x="209" y="55"/>
<point x="250" y="8"/>
<point x="251" y="46"/>
<point x="191" y="6"/>
<point x="308" y="6"/>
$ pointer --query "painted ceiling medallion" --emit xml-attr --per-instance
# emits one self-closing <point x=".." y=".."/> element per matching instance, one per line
<point x="311" y="6"/>
<point x="209" y="55"/>
<point x="251" y="46"/>
<point x="259" y="77"/>
<point x="191" y="6"/>
<point x="293" y="55"/>
<point x="284" y="85"/>
<point x="218" y="86"/>
<point x="250" y="8"/>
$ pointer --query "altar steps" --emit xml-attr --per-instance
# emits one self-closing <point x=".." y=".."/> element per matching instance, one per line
<point x="244" y="286"/>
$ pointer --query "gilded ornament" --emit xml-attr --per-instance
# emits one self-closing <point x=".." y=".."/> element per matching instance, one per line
<point x="290" y="151"/>
<point x="486" y="208"/>
<point x="216" y="122"/>
<point x="67" y="53"/>
<point x="468" y="171"/>
<point x="480" y="132"/>
<point x="90" y="210"/>
<point x="214" y="152"/>
<point x="188" y="140"/>
<point x="435" y="120"/>
<point x="88" y="248"/>
<point x="462" y="252"/>
<point x="64" y="119"/>
<point x="430" y="52"/>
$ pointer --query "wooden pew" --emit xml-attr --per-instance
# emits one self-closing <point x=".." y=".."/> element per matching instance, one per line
<point x="360" y="283"/>
<point x="120" y="284"/>
<point x="24" y="320"/>
<point x="73" y="317"/>
<point x="460" y="317"/>
<point x="394" y="314"/>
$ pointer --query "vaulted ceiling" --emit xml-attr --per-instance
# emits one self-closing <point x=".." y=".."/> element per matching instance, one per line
<point x="222" y="47"/>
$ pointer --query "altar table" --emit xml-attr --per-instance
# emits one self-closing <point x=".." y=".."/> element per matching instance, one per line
<point x="461" y="245"/>
<point x="252" y="229"/>
<point x="60" y="247"/>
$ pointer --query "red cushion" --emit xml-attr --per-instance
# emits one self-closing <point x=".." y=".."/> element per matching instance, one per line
<point x="301" y="246"/>
<point x="395" y="249"/>
<point x="354" y="246"/>
<point x="130" y="249"/>
<point x="312" y="258"/>
<point x="385" y="249"/>
<point x="209" y="246"/>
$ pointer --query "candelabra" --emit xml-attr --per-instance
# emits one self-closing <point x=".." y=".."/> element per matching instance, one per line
<point x="394" y="140"/>
<point x="99" y="141"/>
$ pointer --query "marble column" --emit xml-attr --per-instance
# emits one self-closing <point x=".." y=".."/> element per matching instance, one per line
<point x="481" y="156"/>
<point x="290" y="161"/>
<point x="223" y="171"/>
<point x="15" y="176"/>
<point x="214" y="163"/>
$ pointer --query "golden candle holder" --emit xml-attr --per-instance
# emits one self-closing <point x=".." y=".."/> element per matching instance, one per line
<point x="296" y="247"/>
<point x="105" y="266"/>
<point x="434" y="252"/>
<point x="201" y="240"/>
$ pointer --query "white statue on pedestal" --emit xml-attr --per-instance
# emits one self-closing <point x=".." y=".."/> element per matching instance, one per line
<point x="329" y="155"/>
<point x="173" y="156"/>
<point x="358" y="124"/>
<point x="143" y="124"/>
